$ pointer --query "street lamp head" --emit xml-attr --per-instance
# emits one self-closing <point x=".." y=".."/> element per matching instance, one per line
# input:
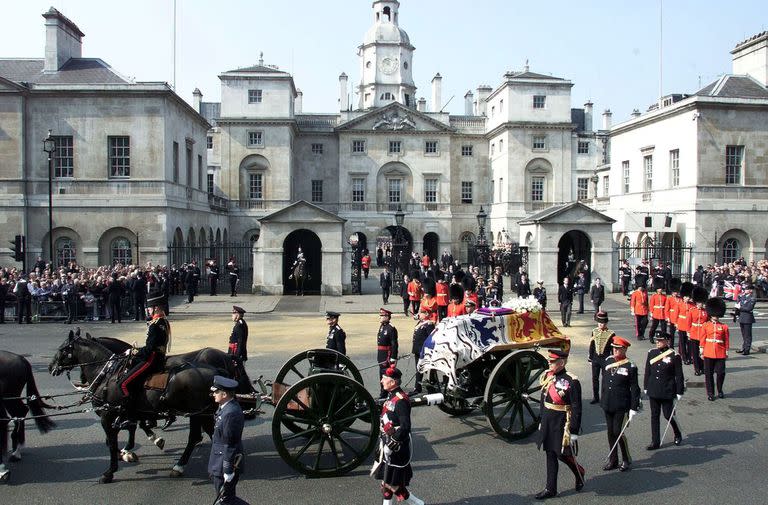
<point x="399" y="216"/>
<point x="481" y="218"/>
<point x="49" y="145"/>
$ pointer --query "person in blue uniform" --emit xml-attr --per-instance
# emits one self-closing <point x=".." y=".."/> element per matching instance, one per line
<point x="663" y="383"/>
<point x="386" y="343"/>
<point x="238" y="339"/>
<point x="745" y="306"/>
<point x="225" y="461"/>
<point x="337" y="338"/>
<point x="560" y="422"/>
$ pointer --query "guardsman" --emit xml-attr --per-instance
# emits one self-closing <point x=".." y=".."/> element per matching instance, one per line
<point x="415" y="293"/>
<point x="429" y="301"/>
<point x="420" y="333"/>
<point x="599" y="350"/>
<point x="663" y="383"/>
<point x="657" y="304"/>
<point x="671" y="308"/>
<point x="697" y="316"/>
<point x="365" y="264"/>
<point x="336" y="336"/>
<point x="620" y="399"/>
<point x="456" y="305"/>
<point x="238" y="339"/>
<point x="393" y="465"/>
<point x="715" y="340"/>
<point x="638" y="307"/>
<point x="386" y="343"/>
<point x="641" y="274"/>
<point x="746" y="306"/>
<point x="226" y="460"/>
<point x="684" y="318"/>
<point x="560" y="422"/>
<point x="442" y="298"/>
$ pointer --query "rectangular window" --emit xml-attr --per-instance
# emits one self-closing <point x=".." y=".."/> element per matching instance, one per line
<point x="255" y="139"/>
<point x="493" y="148"/>
<point x="493" y="110"/>
<point x="501" y="106"/>
<point x="539" y="101"/>
<point x="501" y="146"/>
<point x="317" y="191"/>
<point x="317" y="148"/>
<point x="394" y="192"/>
<point x="583" y="147"/>
<point x="466" y="191"/>
<point x="358" y="146"/>
<point x="394" y="147"/>
<point x="539" y="141"/>
<point x="648" y="171"/>
<point x="199" y="172"/>
<point x="537" y="189"/>
<point x="358" y="193"/>
<point x="466" y="151"/>
<point x="501" y="189"/>
<point x="254" y="96"/>
<point x="674" y="167"/>
<point x="625" y="175"/>
<point x="210" y="184"/>
<point x="582" y="188"/>
<point x="189" y="166"/>
<point x="63" y="156"/>
<point x="734" y="161"/>
<point x="209" y="142"/>
<point x="176" y="162"/>
<point x="430" y="193"/>
<point x="605" y="186"/>
<point x="256" y="186"/>
<point x="119" y="156"/>
<point x="493" y="190"/>
<point x="430" y="147"/>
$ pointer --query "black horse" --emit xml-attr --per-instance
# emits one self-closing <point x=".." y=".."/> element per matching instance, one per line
<point x="299" y="274"/>
<point x="15" y="374"/>
<point x="186" y="394"/>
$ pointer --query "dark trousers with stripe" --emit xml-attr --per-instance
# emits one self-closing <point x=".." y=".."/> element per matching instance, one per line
<point x="226" y="491"/>
<point x="683" y="343"/>
<point x="657" y="407"/>
<point x="660" y="324"/>
<point x="640" y="324"/>
<point x="615" y="422"/>
<point x="746" y="335"/>
<point x="552" y="467"/>
<point x="695" y="358"/>
<point x="714" y="366"/>
<point x="138" y="370"/>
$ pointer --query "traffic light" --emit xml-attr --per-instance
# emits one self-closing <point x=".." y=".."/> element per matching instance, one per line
<point x="18" y="247"/>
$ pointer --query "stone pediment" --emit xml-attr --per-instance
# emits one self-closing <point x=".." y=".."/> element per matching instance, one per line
<point x="568" y="213"/>
<point x="6" y="85"/>
<point x="302" y="212"/>
<point x="394" y="118"/>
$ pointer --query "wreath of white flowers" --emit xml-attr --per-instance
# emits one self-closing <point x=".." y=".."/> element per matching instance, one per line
<point x="523" y="305"/>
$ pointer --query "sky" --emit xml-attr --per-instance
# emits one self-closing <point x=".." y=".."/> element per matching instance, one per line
<point x="609" y="49"/>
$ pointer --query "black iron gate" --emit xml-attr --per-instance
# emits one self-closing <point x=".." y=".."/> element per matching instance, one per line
<point x="510" y="258"/>
<point x="237" y="253"/>
<point x="680" y="258"/>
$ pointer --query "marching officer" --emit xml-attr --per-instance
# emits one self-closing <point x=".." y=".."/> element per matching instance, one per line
<point x="336" y="336"/>
<point x="238" y="339"/>
<point x="671" y="308"/>
<point x="625" y="275"/>
<point x="657" y="304"/>
<point x="441" y="288"/>
<point x="560" y="422"/>
<point x="420" y="333"/>
<point x="663" y="382"/>
<point x="746" y="306"/>
<point x="697" y="316"/>
<point x="386" y="343"/>
<point x="620" y="399"/>
<point x="684" y="308"/>
<point x="638" y="307"/>
<point x="225" y="461"/>
<point x="599" y="350"/>
<point x="213" y="276"/>
<point x="715" y="340"/>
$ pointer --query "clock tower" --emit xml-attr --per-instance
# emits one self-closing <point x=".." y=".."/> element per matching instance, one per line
<point x="386" y="58"/>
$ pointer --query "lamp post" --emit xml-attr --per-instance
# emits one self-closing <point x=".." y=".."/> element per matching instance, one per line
<point x="49" y="146"/>
<point x="397" y="249"/>
<point x="354" y="241"/>
<point x="481" y="246"/>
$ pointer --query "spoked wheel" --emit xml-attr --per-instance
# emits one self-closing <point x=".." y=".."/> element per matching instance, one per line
<point x="512" y="403"/>
<point x="334" y="416"/>
<point x="298" y="367"/>
<point x="451" y="405"/>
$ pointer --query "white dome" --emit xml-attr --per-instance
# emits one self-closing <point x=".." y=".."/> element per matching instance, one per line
<point x="386" y="32"/>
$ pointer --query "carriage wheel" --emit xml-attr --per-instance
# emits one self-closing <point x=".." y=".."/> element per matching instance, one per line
<point x="333" y="414"/>
<point x="455" y="406"/>
<point x="512" y="403"/>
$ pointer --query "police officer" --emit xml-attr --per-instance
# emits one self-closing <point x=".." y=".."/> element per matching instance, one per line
<point x="213" y="276"/>
<point x="560" y="422"/>
<point x="336" y="336"/>
<point x="24" y="300"/>
<point x="225" y="461"/>
<point x="599" y="350"/>
<point x="620" y="400"/>
<point x="238" y="339"/>
<point x="420" y="333"/>
<point x="746" y="306"/>
<point x="663" y="382"/>
<point x="386" y="343"/>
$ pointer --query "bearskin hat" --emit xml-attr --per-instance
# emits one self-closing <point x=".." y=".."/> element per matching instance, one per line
<point x="459" y="274"/>
<point x="456" y="292"/>
<point x="699" y="295"/>
<point x="674" y="284"/>
<point x="715" y="307"/>
<point x="658" y="283"/>
<point x="686" y="289"/>
<point x="429" y="287"/>
<point x="415" y="274"/>
<point x="469" y="283"/>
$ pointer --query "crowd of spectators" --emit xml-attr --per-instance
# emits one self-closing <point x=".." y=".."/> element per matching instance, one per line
<point x="720" y="279"/>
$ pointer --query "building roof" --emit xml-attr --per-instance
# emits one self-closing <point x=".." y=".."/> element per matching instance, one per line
<point x="734" y="86"/>
<point x="258" y="69"/>
<point x="74" y="71"/>
<point x="564" y="208"/>
<point x="530" y="75"/>
<point x="210" y="111"/>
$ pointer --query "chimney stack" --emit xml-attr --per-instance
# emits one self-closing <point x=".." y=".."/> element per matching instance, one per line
<point x="483" y="92"/>
<point x="63" y="40"/>
<point x="298" y="103"/>
<point x="343" y="96"/>
<point x="607" y="115"/>
<point x="588" y="116"/>
<point x="422" y="105"/>
<point x="437" y="92"/>
<point x="197" y="99"/>
<point x="751" y="58"/>
<point x="469" y="103"/>
<point x="635" y="113"/>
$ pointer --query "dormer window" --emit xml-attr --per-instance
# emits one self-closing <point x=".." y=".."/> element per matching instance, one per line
<point x="254" y="96"/>
<point x="387" y="96"/>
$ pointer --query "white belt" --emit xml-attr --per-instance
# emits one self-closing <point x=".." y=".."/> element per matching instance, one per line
<point x="715" y="341"/>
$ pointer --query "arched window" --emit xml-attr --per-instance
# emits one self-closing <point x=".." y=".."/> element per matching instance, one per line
<point x="625" y="246"/>
<point x="731" y="250"/>
<point x="65" y="250"/>
<point x="467" y="247"/>
<point x="120" y="251"/>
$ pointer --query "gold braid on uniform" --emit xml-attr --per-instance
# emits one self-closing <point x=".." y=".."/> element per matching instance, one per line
<point x="600" y="338"/>
<point x="168" y="331"/>
<point x="545" y="381"/>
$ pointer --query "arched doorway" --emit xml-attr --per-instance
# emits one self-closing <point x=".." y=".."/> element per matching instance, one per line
<point x="574" y="249"/>
<point x="466" y="252"/>
<point x="363" y="242"/>
<point x="404" y="254"/>
<point x="432" y="245"/>
<point x="312" y="248"/>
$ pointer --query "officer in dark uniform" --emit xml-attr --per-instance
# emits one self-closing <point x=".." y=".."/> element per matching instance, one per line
<point x="386" y="343"/>
<point x="620" y="399"/>
<point x="560" y="422"/>
<point x="23" y="300"/>
<point x="238" y="339"/>
<point x="213" y="276"/>
<point x="745" y="307"/>
<point x="225" y="461"/>
<point x="423" y="329"/>
<point x="663" y="382"/>
<point x="599" y="350"/>
<point x="234" y="276"/>
<point x="625" y="275"/>
<point x="193" y="277"/>
<point x="336" y="336"/>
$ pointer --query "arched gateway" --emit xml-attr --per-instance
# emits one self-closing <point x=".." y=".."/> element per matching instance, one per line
<point x="312" y="253"/>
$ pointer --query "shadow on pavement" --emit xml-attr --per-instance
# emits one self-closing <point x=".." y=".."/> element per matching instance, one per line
<point x="490" y="500"/>
<point x="636" y="481"/>
<point x="747" y="392"/>
<point x="718" y="437"/>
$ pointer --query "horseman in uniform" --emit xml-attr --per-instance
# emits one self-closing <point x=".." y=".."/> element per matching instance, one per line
<point x="238" y="339"/>
<point x="147" y="360"/>
<point x="298" y="271"/>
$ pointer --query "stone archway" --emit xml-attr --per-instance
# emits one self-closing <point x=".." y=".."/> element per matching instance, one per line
<point x="573" y="249"/>
<point x="311" y="247"/>
<point x="405" y="253"/>
<point x="432" y="245"/>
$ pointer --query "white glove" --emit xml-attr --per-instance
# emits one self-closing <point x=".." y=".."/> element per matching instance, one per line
<point x="632" y="413"/>
<point x="228" y="477"/>
<point x="574" y="438"/>
<point x="645" y="392"/>
<point x="679" y="397"/>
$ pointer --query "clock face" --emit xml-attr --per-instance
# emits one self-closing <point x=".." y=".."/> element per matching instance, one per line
<point x="388" y="65"/>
